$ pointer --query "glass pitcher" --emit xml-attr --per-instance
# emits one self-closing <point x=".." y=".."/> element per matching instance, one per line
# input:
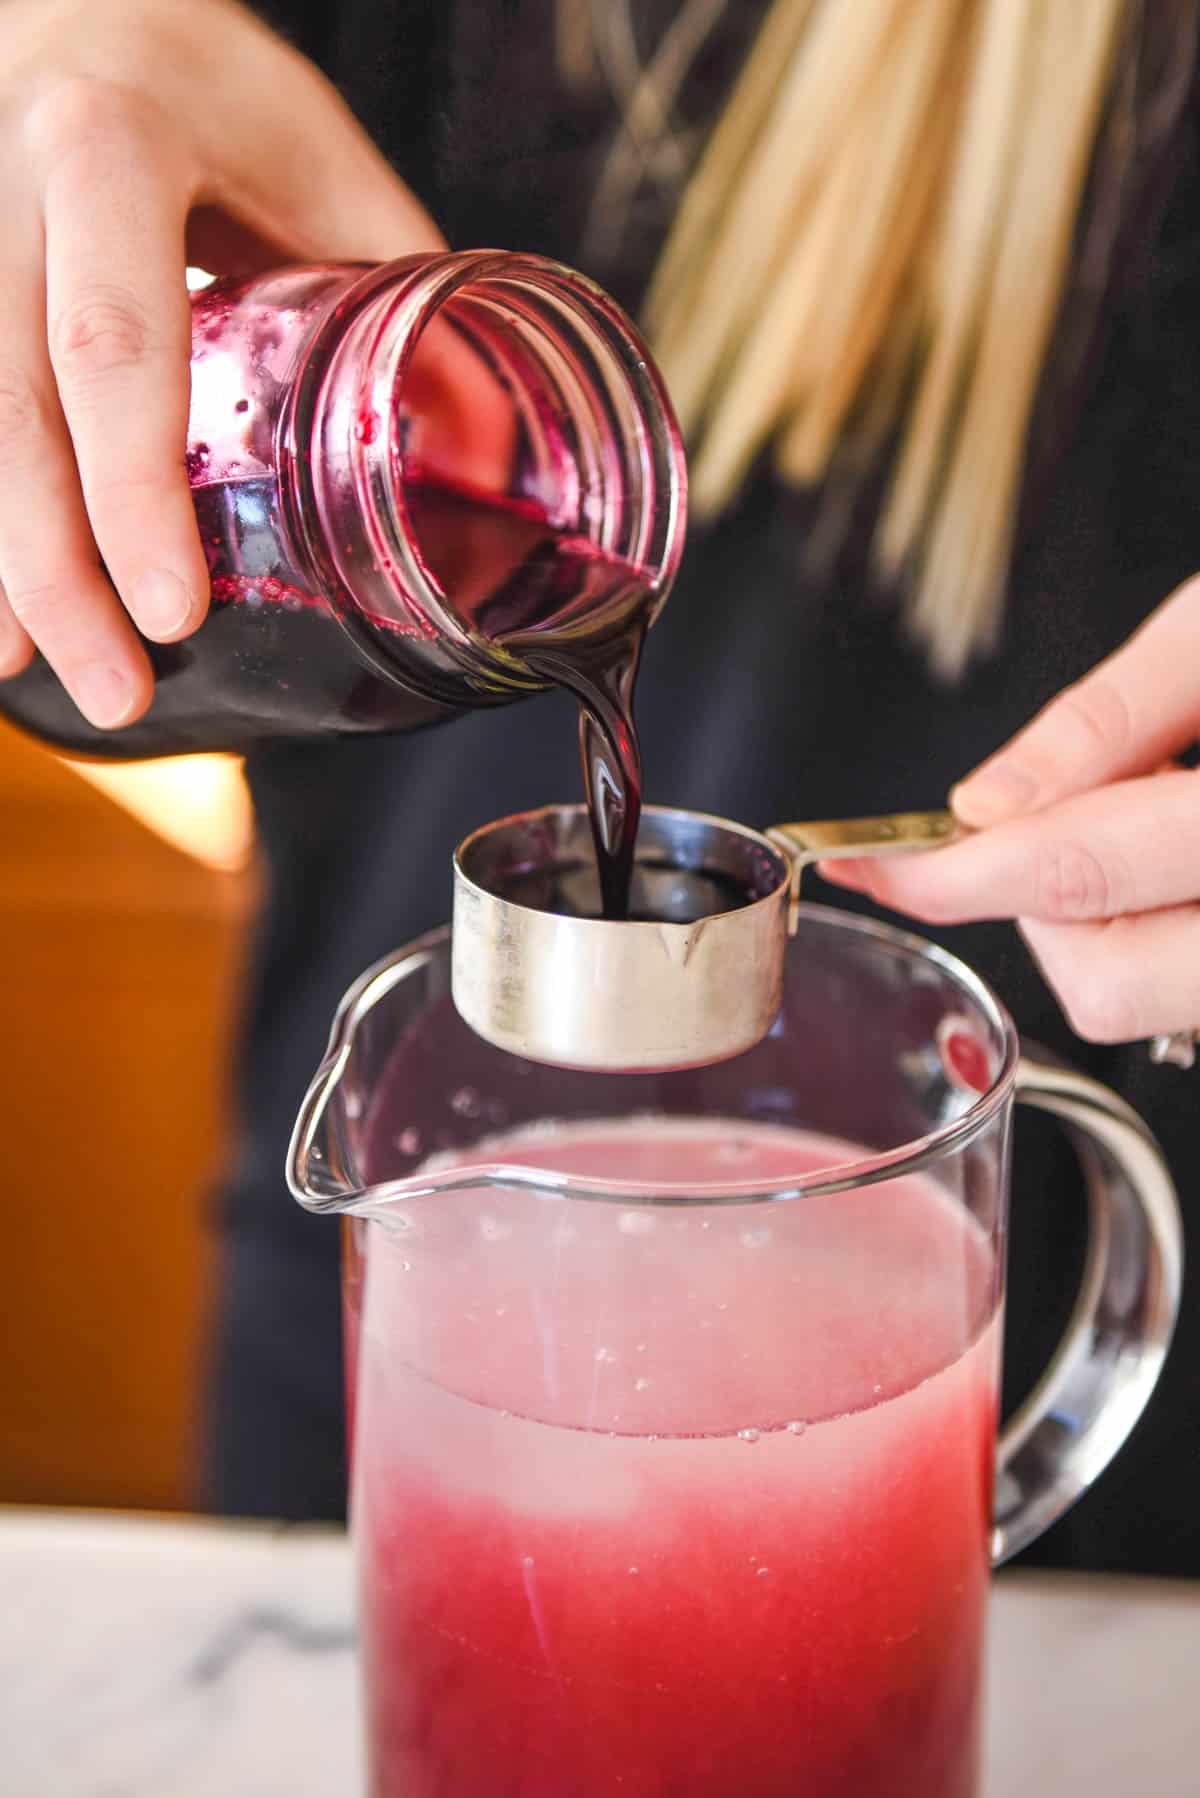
<point x="674" y="1395"/>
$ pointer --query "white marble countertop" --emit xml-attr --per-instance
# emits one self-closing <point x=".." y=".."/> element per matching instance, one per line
<point x="154" y="1658"/>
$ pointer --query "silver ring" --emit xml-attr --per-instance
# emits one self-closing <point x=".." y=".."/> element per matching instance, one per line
<point x="1179" y="1048"/>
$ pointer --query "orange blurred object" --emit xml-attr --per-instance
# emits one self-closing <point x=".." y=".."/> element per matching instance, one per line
<point x="197" y="803"/>
<point x="126" y="896"/>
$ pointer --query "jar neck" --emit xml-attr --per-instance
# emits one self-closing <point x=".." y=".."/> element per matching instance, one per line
<point x="456" y="419"/>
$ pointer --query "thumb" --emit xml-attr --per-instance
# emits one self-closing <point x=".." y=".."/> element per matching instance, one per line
<point x="315" y="187"/>
<point x="1127" y="717"/>
<point x="349" y="203"/>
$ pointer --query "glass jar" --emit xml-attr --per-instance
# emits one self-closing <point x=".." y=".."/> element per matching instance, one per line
<point x="413" y="482"/>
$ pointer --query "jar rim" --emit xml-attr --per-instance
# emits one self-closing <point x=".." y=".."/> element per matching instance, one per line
<point x="405" y="307"/>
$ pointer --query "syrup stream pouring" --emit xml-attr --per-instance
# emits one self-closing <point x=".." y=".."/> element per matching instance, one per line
<point x="692" y="976"/>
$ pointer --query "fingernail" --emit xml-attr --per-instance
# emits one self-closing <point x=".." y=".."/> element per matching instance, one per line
<point x="162" y="604"/>
<point x="103" y="696"/>
<point x="996" y="792"/>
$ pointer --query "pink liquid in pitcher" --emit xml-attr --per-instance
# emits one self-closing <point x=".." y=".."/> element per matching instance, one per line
<point x="675" y="1503"/>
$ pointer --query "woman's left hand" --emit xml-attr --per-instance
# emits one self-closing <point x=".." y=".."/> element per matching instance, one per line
<point x="1085" y="831"/>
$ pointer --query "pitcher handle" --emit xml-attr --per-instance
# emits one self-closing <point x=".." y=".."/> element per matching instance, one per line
<point x="1112" y="1351"/>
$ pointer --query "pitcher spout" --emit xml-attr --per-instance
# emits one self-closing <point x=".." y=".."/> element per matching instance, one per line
<point x="327" y="1160"/>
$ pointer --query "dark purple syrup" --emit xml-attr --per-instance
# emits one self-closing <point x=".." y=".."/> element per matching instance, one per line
<point x="576" y="616"/>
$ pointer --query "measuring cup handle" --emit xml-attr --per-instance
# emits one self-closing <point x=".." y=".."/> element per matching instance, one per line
<point x="1112" y="1351"/>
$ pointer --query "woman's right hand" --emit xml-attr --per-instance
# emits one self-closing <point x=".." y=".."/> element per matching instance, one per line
<point x="137" y="136"/>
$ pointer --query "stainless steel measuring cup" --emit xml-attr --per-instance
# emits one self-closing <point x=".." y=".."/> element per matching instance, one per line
<point x="696" y="972"/>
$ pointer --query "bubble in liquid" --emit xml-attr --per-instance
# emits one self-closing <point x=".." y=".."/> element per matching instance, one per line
<point x="353" y="1102"/>
<point x="736" y="1149"/>
<point x="750" y="1435"/>
<point x="634" y="1570"/>
<point x="495" y="1229"/>
<point x="409" y="1141"/>
<point x="501" y="1310"/>
<point x="757" y="1238"/>
<point x="466" y="1102"/>
<point x="605" y="1355"/>
<point x="797" y="1427"/>
<point x="406" y="1267"/>
<point x="639" y="1348"/>
<point x="635" y="1223"/>
<point x="641" y="1385"/>
<point x="527" y="1560"/>
<point x="706" y="1223"/>
<point x="761" y="1572"/>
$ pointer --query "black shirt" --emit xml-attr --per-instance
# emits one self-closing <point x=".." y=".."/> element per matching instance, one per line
<point x="764" y="695"/>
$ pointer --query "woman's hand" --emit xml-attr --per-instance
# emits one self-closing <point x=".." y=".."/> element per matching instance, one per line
<point x="135" y="136"/>
<point x="1089" y="836"/>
